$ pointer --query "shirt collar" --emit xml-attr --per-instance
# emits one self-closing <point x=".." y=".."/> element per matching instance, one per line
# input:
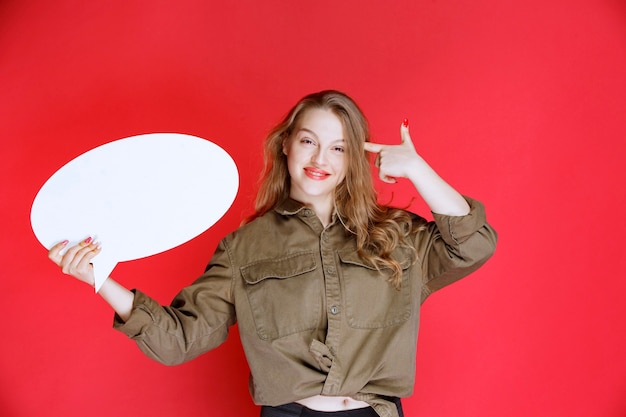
<point x="290" y="207"/>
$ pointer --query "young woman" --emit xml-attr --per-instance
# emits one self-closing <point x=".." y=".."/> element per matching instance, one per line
<point x="325" y="283"/>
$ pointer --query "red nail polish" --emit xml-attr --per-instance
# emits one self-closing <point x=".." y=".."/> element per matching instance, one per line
<point x="405" y="123"/>
<point x="88" y="240"/>
<point x="65" y="242"/>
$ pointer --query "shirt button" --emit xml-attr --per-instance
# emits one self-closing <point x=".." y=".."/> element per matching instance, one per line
<point x="334" y="309"/>
<point x="330" y="270"/>
<point x="307" y="212"/>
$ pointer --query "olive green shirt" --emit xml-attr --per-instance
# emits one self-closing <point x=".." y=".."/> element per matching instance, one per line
<point x="314" y="318"/>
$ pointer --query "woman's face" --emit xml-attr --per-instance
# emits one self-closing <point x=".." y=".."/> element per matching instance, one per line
<point x="316" y="158"/>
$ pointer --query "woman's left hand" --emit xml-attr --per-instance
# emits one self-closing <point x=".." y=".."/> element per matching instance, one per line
<point x="395" y="161"/>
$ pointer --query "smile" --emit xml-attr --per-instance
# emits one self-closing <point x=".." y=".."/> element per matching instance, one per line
<point x="316" y="174"/>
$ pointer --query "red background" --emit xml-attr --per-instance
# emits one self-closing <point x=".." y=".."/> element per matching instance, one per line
<point x="519" y="104"/>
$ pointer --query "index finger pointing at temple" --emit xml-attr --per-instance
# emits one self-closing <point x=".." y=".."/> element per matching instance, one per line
<point x="373" y="147"/>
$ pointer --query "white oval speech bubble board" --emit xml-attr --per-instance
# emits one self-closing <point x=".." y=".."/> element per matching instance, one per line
<point x="138" y="196"/>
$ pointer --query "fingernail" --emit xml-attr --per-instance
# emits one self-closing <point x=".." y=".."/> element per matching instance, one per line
<point x="405" y="123"/>
<point x="65" y="242"/>
<point x="88" y="240"/>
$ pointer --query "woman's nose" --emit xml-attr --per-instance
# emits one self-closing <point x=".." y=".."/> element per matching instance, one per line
<point x="318" y="156"/>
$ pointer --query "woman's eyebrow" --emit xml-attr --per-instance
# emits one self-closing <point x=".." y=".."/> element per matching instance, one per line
<point x="304" y="129"/>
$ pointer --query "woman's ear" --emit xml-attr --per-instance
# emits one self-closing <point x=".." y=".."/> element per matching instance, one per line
<point x="285" y="146"/>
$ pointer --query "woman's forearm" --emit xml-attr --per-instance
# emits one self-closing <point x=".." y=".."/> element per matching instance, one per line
<point x="440" y="196"/>
<point x="118" y="297"/>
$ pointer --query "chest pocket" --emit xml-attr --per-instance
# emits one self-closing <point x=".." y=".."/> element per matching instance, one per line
<point x="285" y="294"/>
<point x="372" y="301"/>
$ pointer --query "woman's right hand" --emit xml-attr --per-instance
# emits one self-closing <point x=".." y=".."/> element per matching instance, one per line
<point x="76" y="261"/>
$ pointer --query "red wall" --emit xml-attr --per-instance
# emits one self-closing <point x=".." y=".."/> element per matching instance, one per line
<point x="521" y="106"/>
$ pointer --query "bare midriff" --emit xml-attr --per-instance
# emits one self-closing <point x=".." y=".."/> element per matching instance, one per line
<point x="326" y="403"/>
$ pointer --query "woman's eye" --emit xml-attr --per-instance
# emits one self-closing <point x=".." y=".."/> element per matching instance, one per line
<point x="339" y="149"/>
<point x="306" y="141"/>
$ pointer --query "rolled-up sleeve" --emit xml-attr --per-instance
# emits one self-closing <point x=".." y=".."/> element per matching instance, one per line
<point x="452" y="247"/>
<point x="197" y="320"/>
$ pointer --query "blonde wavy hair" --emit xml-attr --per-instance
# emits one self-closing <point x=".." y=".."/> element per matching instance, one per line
<point x="378" y="229"/>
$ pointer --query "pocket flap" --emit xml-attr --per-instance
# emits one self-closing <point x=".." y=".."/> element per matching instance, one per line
<point x="402" y="254"/>
<point x="279" y="268"/>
